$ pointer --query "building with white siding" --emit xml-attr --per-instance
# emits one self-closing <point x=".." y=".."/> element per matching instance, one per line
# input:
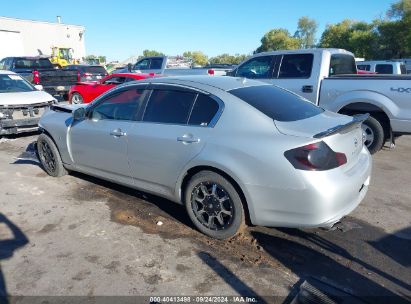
<point x="21" y="37"/>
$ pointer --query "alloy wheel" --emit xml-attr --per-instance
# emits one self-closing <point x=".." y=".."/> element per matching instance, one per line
<point x="212" y="206"/>
<point x="368" y="134"/>
<point x="47" y="157"/>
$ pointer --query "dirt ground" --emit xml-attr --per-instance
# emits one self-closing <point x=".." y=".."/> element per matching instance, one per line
<point x="81" y="236"/>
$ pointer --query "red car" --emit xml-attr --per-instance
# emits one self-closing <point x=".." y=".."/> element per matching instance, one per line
<point x="85" y="92"/>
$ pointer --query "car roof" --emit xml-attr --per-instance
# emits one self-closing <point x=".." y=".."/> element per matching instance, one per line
<point x="225" y="83"/>
<point x="379" y="62"/>
<point x="304" y="51"/>
<point x="3" y="72"/>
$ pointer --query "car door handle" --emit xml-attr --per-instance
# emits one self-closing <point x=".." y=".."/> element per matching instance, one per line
<point x="118" y="133"/>
<point x="307" y="89"/>
<point x="188" y="139"/>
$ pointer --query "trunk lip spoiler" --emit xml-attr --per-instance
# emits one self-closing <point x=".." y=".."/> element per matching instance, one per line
<point x="357" y="120"/>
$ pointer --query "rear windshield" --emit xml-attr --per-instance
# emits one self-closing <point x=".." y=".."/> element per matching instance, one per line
<point x="25" y="63"/>
<point x="279" y="104"/>
<point x="96" y="70"/>
<point x="342" y="64"/>
<point x="403" y="69"/>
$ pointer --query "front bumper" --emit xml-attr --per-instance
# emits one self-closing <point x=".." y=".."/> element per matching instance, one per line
<point x="21" y="118"/>
<point x="317" y="199"/>
<point x="11" y="126"/>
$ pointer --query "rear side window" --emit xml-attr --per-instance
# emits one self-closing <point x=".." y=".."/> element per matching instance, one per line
<point x="156" y="63"/>
<point x="168" y="106"/>
<point x="258" y="67"/>
<point x="342" y="64"/>
<point x="276" y="103"/>
<point x="363" y="67"/>
<point x="204" y="110"/>
<point x="384" y="69"/>
<point x="296" y="66"/>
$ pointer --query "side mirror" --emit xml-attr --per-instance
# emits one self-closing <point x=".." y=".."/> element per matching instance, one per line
<point x="39" y="87"/>
<point x="79" y="114"/>
<point x="129" y="67"/>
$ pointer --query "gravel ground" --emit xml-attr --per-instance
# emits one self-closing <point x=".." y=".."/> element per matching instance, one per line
<point x="81" y="236"/>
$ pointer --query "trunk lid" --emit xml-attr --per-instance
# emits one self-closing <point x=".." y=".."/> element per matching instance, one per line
<point x="341" y="133"/>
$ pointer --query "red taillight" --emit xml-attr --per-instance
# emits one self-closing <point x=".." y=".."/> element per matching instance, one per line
<point x="315" y="157"/>
<point x="341" y="158"/>
<point x="36" y="77"/>
<point x="210" y="72"/>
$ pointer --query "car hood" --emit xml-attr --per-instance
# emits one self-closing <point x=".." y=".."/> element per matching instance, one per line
<point x="24" y="98"/>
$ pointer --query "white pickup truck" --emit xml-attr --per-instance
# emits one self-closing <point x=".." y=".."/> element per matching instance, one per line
<point x="328" y="78"/>
<point x="170" y="66"/>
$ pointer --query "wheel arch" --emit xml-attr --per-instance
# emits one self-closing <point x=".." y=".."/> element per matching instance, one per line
<point x="198" y="168"/>
<point x="374" y="110"/>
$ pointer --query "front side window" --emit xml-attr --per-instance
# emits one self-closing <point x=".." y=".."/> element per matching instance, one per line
<point x="168" y="106"/>
<point x="341" y="64"/>
<point x="123" y="105"/>
<point x="384" y="69"/>
<point x="204" y="110"/>
<point x="277" y="103"/>
<point x="296" y="66"/>
<point x="142" y="65"/>
<point x="2" y="64"/>
<point x="10" y="83"/>
<point x="258" y="67"/>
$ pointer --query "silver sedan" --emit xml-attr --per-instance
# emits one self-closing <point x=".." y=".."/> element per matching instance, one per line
<point x="229" y="149"/>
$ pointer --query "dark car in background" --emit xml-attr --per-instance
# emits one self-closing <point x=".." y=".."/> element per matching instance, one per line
<point x="39" y="70"/>
<point x="88" y="72"/>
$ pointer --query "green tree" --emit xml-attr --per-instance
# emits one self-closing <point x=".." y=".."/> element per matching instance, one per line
<point x="395" y="33"/>
<point x="306" y="30"/>
<point x="278" y="39"/>
<point x="198" y="57"/>
<point x="228" y="59"/>
<point x="149" y="53"/>
<point x="360" y="38"/>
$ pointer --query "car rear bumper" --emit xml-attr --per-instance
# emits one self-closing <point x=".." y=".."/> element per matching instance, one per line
<point x="57" y="90"/>
<point x="317" y="199"/>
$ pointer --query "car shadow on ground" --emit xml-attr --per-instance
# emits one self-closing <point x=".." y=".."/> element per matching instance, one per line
<point x="344" y="261"/>
<point x="171" y="209"/>
<point x="7" y="249"/>
<point x="230" y="278"/>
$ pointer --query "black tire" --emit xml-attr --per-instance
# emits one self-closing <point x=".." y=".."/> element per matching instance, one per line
<point x="49" y="156"/>
<point x="76" y="98"/>
<point x="224" y="204"/>
<point x="373" y="128"/>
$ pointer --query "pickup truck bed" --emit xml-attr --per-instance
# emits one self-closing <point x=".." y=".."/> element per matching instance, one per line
<point x="39" y="70"/>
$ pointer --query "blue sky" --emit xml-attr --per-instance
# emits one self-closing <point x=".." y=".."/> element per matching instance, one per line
<point x="121" y="28"/>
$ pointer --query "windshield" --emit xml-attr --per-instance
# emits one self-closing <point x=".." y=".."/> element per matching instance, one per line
<point x="277" y="103"/>
<point x="14" y="83"/>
